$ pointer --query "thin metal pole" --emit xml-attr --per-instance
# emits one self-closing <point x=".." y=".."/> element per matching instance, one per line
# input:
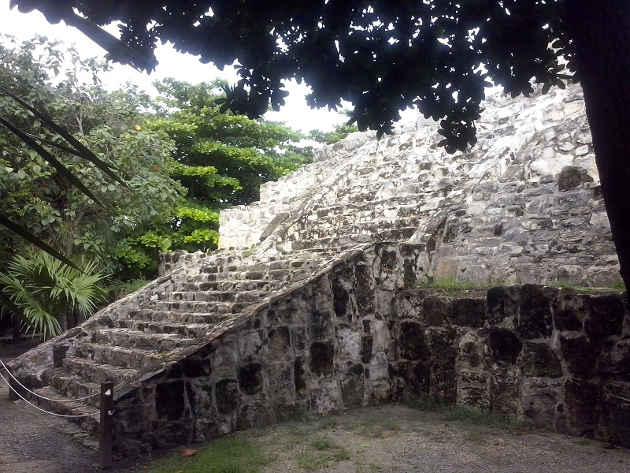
<point x="106" y="427"/>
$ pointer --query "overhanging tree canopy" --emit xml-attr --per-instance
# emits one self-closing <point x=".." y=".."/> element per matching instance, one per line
<point x="379" y="55"/>
<point x="383" y="55"/>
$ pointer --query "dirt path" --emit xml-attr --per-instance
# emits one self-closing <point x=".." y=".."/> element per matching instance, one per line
<point x="397" y="439"/>
<point x="37" y="443"/>
<point x="389" y="439"/>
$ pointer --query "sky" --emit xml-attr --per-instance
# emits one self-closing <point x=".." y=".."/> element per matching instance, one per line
<point x="186" y="67"/>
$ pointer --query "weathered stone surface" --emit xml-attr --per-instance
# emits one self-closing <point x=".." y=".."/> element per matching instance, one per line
<point x="580" y="401"/>
<point x="534" y="319"/>
<point x="412" y="343"/>
<point x="435" y="310"/>
<point x="580" y="355"/>
<point x="504" y="345"/>
<point x="605" y="316"/>
<point x="539" y="401"/>
<point x="322" y="358"/>
<point x="170" y="400"/>
<point x="502" y="302"/>
<point x="314" y="308"/>
<point x="250" y="378"/>
<point x="615" y="359"/>
<point x="539" y="360"/>
<point x="227" y="395"/>
<point x="572" y="176"/>
<point x="569" y="311"/>
<point x="614" y="424"/>
<point x="468" y="312"/>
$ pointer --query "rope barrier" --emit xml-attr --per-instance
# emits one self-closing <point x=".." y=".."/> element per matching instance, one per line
<point x="89" y="396"/>
<point x="39" y="408"/>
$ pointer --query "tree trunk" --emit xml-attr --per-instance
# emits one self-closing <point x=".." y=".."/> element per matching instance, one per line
<point x="601" y="31"/>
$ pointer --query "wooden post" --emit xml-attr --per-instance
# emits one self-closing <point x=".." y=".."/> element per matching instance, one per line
<point x="106" y="426"/>
<point x="12" y="395"/>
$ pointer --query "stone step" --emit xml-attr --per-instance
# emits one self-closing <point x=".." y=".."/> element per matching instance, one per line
<point x="271" y="275"/>
<point x="151" y="315"/>
<point x="200" y="307"/>
<point x="353" y="225"/>
<point x="126" y="338"/>
<point x="230" y="285"/>
<point x="119" y="356"/>
<point x="90" y="415"/>
<point x="218" y="296"/>
<point x="189" y="330"/>
<point x="350" y="240"/>
<point x="95" y="372"/>
<point x="72" y="387"/>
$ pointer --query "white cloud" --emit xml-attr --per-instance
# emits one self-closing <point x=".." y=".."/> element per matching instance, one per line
<point x="171" y="64"/>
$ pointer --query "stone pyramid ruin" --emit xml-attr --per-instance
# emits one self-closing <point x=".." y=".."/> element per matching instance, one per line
<point x="315" y="300"/>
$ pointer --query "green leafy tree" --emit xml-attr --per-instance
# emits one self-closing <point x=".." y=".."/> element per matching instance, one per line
<point x="42" y="195"/>
<point x="220" y="158"/>
<point x="331" y="137"/>
<point x="383" y="56"/>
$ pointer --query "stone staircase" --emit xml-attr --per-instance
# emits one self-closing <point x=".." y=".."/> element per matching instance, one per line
<point x="290" y="315"/>
<point x="129" y="343"/>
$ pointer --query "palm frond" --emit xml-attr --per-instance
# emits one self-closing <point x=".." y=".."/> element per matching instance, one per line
<point x="42" y="288"/>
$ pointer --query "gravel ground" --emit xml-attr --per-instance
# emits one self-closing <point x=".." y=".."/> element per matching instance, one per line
<point x="397" y="439"/>
<point x="388" y="439"/>
<point x="31" y="442"/>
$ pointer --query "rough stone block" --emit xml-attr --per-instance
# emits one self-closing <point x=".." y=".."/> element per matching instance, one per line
<point x="279" y="344"/>
<point x="539" y="360"/>
<point x="470" y="351"/>
<point x="468" y="312"/>
<point x="169" y="400"/>
<point x="605" y="316"/>
<point x="227" y="395"/>
<point x="443" y="376"/>
<point x="412" y="343"/>
<point x="502" y="302"/>
<point x="534" y="319"/>
<point x="504" y="345"/>
<point x="250" y="378"/>
<point x="299" y="376"/>
<point x="503" y="391"/>
<point x="615" y="359"/>
<point x="436" y="310"/>
<point x="569" y="311"/>
<point x="352" y="387"/>
<point x="322" y="354"/>
<point x="539" y="399"/>
<point x="580" y="404"/>
<point x="614" y="423"/>
<point x="321" y="325"/>
<point x="579" y="355"/>
<point x="472" y="389"/>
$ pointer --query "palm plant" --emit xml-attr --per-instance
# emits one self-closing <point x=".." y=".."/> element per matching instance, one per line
<point x="42" y="292"/>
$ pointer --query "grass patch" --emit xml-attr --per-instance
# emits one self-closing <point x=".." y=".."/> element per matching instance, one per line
<point x="449" y="285"/>
<point x="324" y="451"/>
<point x="368" y="468"/>
<point x="617" y="287"/>
<point x="453" y="286"/>
<point x="468" y="415"/>
<point x="227" y="455"/>
<point x="471" y="416"/>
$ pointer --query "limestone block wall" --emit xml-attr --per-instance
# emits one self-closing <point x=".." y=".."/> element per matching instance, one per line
<point x="523" y="205"/>
<point x="322" y="346"/>
<point x="552" y="357"/>
<point x="358" y="333"/>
